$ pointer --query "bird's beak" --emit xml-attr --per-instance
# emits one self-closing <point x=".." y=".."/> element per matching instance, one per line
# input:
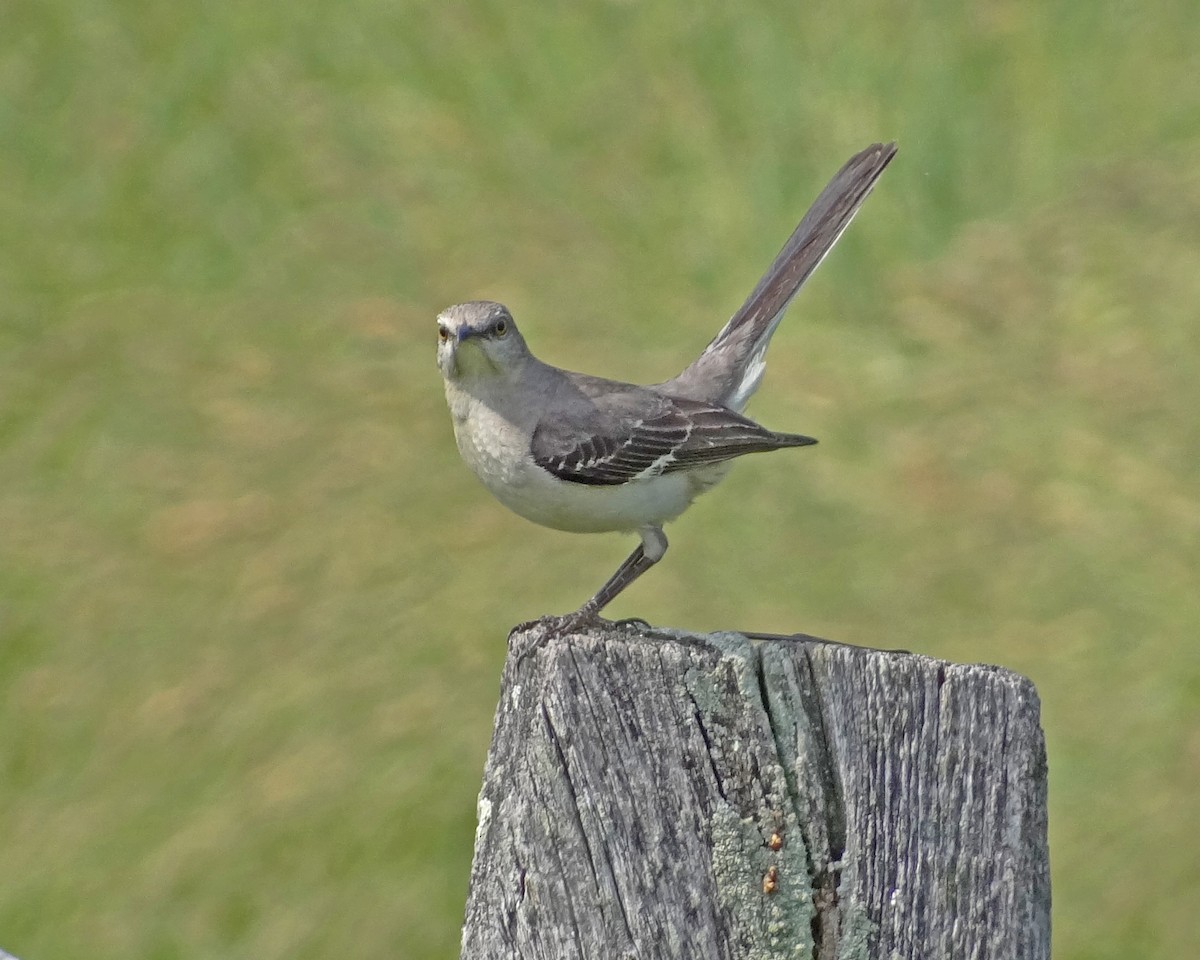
<point x="448" y="356"/>
<point x="454" y="359"/>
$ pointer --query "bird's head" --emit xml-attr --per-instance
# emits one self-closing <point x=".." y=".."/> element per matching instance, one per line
<point x="478" y="337"/>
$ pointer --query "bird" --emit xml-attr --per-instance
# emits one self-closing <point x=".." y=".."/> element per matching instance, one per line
<point x="587" y="454"/>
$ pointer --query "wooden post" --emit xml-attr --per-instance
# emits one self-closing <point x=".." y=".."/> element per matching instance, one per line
<point x="669" y="795"/>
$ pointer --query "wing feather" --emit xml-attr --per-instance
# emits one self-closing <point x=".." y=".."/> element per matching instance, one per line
<point x="618" y="442"/>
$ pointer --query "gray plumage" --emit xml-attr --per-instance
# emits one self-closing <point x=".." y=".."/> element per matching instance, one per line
<point x="586" y="454"/>
<point x="610" y="433"/>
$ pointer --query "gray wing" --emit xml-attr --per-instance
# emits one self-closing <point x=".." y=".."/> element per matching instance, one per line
<point x="625" y="437"/>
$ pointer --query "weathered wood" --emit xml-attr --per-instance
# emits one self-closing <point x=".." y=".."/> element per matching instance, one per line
<point x="677" y="796"/>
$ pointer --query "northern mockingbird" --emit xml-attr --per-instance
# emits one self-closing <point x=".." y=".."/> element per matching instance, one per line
<point x="590" y="455"/>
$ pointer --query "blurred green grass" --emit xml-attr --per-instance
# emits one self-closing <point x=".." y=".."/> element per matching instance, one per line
<point x="252" y="608"/>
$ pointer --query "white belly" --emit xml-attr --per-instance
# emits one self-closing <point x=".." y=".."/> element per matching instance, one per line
<point x="584" y="508"/>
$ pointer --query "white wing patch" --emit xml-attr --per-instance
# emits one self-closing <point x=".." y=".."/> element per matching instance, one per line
<point x="661" y="464"/>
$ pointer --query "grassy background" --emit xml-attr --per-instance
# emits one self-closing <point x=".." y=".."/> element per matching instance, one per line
<point x="252" y="608"/>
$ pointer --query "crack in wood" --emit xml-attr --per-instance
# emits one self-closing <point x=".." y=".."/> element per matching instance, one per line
<point x="698" y="717"/>
<point x="824" y="875"/>
<point x="569" y="783"/>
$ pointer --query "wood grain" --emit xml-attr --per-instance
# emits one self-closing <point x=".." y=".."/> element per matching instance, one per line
<point x="664" y="795"/>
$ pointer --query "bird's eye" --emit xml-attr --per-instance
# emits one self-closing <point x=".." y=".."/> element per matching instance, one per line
<point x="501" y="328"/>
<point x="443" y="334"/>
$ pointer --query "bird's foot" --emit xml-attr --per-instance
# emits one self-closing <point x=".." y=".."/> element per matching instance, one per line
<point x="587" y="617"/>
<point x="577" y="620"/>
<point x="549" y="627"/>
<point x="580" y="620"/>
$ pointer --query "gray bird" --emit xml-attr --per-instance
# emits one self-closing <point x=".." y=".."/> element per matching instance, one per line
<point x="590" y="455"/>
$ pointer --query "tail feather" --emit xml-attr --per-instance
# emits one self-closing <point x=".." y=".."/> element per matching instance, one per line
<point x="731" y="366"/>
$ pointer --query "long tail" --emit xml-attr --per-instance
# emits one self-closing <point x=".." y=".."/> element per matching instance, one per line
<point x="731" y="366"/>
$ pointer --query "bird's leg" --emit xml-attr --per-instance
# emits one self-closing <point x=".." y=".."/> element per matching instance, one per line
<point x="647" y="554"/>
